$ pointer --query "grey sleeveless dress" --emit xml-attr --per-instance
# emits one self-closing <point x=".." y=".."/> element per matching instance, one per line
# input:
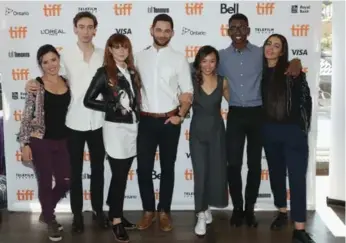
<point x="208" y="148"/>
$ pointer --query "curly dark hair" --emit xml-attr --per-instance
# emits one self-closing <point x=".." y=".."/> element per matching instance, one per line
<point x="201" y="54"/>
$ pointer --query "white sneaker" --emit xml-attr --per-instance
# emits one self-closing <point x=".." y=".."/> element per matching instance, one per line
<point x="201" y="225"/>
<point x="208" y="216"/>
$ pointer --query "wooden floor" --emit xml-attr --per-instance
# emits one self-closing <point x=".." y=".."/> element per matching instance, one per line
<point x="24" y="228"/>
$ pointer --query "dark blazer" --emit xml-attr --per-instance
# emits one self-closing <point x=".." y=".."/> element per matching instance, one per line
<point x="112" y="95"/>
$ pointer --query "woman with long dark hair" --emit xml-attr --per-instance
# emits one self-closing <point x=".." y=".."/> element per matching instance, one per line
<point x="119" y="83"/>
<point x="208" y="138"/>
<point x="43" y="135"/>
<point x="287" y="110"/>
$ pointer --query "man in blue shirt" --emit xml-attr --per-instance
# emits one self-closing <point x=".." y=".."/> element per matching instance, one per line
<point x="241" y="63"/>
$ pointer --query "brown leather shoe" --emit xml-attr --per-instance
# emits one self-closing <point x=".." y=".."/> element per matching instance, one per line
<point x="146" y="221"/>
<point x="165" y="221"/>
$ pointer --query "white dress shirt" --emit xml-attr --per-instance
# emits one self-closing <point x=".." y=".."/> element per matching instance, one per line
<point x="165" y="74"/>
<point x="79" y="74"/>
<point x="120" y="139"/>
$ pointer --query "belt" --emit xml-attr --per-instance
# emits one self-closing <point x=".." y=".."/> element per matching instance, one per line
<point x="160" y="115"/>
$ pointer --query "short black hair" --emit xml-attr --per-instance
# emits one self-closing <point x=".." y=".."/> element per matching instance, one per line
<point x="84" y="14"/>
<point x="43" y="50"/>
<point x="238" y="16"/>
<point x="163" y="17"/>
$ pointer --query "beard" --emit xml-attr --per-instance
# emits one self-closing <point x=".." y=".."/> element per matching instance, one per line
<point x="161" y="44"/>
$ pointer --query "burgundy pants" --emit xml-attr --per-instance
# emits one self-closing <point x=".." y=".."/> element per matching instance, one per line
<point x="50" y="159"/>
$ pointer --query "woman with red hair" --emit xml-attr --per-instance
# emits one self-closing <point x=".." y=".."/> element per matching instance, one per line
<point x="119" y="84"/>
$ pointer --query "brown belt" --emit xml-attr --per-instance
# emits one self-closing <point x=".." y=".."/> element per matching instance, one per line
<point x="160" y="115"/>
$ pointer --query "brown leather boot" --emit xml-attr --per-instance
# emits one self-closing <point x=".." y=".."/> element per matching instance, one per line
<point x="146" y="221"/>
<point x="165" y="221"/>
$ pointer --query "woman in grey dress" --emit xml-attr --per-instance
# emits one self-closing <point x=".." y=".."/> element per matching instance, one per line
<point x="207" y="137"/>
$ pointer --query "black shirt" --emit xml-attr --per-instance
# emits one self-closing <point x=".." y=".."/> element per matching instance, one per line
<point x="55" y="110"/>
<point x="293" y="99"/>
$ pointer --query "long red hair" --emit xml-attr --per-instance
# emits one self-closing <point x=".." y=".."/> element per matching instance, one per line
<point x="116" y="40"/>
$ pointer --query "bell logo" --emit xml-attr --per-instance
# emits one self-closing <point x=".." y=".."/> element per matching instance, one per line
<point x="264" y="175"/>
<point x="288" y="194"/>
<point x="18" y="32"/>
<point x="157" y="194"/>
<point x="157" y="156"/>
<point x="300" y="30"/>
<point x="17" y="115"/>
<point x="187" y="134"/>
<point x="265" y="8"/>
<point x="51" y="10"/>
<point x="86" y="156"/>
<point x="131" y="175"/>
<point x="305" y="70"/>
<point x="194" y="8"/>
<point x="224" y="113"/>
<point x="25" y="195"/>
<point x="188" y="175"/>
<point x="86" y="195"/>
<point x="191" y="51"/>
<point x="224" y="30"/>
<point x="123" y="9"/>
<point x="18" y="156"/>
<point x="20" y="74"/>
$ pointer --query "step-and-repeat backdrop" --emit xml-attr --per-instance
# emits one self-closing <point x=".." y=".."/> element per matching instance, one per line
<point x="25" y="27"/>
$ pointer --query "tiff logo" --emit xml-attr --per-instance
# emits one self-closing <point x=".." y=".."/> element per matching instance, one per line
<point x="191" y="51"/>
<point x="17" y="115"/>
<point x="194" y="8"/>
<point x="300" y="30"/>
<point x="188" y="175"/>
<point x="224" y="29"/>
<point x="158" y="10"/>
<point x="51" y="10"/>
<point x="265" y="8"/>
<point x="12" y="54"/>
<point x="131" y="175"/>
<point x="20" y="74"/>
<point x="25" y="195"/>
<point x="187" y="134"/>
<point x="265" y="175"/>
<point x="18" y="32"/>
<point x="18" y="156"/>
<point x="123" y="9"/>
<point x="224" y="9"/>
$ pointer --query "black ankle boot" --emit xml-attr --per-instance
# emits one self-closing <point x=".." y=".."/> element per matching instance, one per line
<point x="237" y="217"/>
<point x="101" y="220"/>
<point x="250" y="217"/>
<point x="280" y="221"/>
<point x="78" y="224"/>
<point x="120" y="233"/>
<point x="301" y="236"/>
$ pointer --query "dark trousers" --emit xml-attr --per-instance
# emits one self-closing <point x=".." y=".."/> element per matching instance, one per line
<point x="50" y="158"/>
<point x="152" y="132"/>
<point x="77" y="141"/>
<point x="116" y="193"/>
<point x="244" y="122"/>
<point x="286" y="148"/>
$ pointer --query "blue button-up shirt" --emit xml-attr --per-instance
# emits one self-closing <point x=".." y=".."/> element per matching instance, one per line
<point x="243" y="69"/>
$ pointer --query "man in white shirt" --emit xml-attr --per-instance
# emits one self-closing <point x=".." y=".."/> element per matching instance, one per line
<point x="165" y="74"/>
<point x="79" y="64"/>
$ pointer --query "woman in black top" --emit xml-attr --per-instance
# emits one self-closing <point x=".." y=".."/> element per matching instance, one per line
<point x="43" y="136"/>
<point x="287" y="110"/>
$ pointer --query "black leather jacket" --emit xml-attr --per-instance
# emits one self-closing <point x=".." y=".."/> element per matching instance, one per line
<point x="113" y="95"/>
